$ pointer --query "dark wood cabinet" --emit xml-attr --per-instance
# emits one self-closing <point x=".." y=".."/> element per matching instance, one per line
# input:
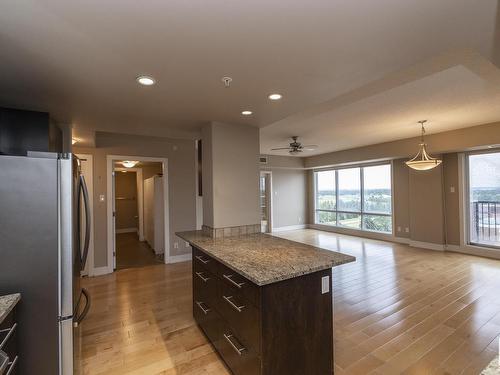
<point x="282" y="328"/>
<point x="22" y="131"/>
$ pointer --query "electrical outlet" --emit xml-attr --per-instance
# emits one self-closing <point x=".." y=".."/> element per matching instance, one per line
<point x="407" y="230"/>
<point x="452" y="189"/>
<point x="325" y="284"/>
<point x="176" y="245"/>
<point x="399" y="229"/>
<point x="187" y="244"/>
<point x="300" y="219"/>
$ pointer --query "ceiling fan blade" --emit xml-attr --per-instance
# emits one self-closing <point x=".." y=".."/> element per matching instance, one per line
<point x="280" y="148"/>
<point x="310" y="146"/>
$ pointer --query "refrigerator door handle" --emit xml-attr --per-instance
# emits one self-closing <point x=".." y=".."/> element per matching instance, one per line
<point x="86" y="244"/>
<point x="78" y="319"/>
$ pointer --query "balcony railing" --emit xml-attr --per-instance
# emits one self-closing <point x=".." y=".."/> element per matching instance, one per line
<point x="485" y="223"/>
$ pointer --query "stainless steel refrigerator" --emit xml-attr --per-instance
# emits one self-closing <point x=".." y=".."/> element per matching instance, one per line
<point x="44" y="241"/>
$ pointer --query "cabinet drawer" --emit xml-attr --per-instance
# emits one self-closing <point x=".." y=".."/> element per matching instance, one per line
<point x="240" y="359"/>
<point x="209" y="321"/>
<point x="204" y="283"/>
<point x="240" y="315"/>
<point x="202" y="259"/>
<point x="245" y="287"/>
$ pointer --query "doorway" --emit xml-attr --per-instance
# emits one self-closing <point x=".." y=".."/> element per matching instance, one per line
<point x="138" y="232"/>
<point x="266" y="221"/>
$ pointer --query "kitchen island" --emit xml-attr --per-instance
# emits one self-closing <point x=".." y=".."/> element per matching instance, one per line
<point x="265" y="303"/>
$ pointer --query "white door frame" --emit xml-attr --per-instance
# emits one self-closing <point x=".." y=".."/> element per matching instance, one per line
<point x="89" y="179"/>
<point x="110" y="159"/>
<point x="140" y="198"/>
<point x="269" y="200"/>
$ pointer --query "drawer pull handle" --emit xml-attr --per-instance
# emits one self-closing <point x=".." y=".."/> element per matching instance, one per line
<point x="230" y="279"/>
<point x="9" y="331"/>
<point x="200" y="305"/>
<point x="230" y="341"/>
<point x="12" y="365"/>
<point x="200" y="275"/>
<point x="233" y="305"/>
<point x="201" y="259"/>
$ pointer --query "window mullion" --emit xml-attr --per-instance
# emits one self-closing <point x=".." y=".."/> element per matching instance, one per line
<point x="336" y="197"/>
<point x="362" y="184"/>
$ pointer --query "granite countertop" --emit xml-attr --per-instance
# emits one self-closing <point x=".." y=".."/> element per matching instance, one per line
<point x="7" y="303"/>
<point x="265" y="259"/>
<point x="493" y="368"/>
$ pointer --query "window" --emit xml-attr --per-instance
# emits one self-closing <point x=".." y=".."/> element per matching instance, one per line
<point x="358" y="198"/>
<point x="484" y="199"/>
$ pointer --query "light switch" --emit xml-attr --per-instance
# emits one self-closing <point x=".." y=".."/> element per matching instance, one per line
<point x="325" y="284"/>
<point x="101" y="198"/>
<point x="452" y="189"/>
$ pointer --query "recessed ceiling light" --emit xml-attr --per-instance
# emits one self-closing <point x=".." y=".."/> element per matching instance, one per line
<point x="275" y="96"/>
<point x="146" y="80"/>
<point x="246" y="113"/>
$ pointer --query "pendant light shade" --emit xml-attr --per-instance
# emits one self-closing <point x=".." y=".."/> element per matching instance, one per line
<point x="423" y="161"/>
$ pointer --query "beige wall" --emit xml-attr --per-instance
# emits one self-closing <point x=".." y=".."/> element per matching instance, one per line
<point x="230" y="175"/>
<point x="452" y="198"/>
<point x="181" y="174"/>
<point x="126" y="200"/>
<point x="401" y="198"/>
<point x="426" y="206"/>
<point x="425" y="202"/>
<point x="289" y="180"/>
<point x="446" y="142"/>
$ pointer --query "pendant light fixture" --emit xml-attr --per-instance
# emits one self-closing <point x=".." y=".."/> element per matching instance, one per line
<point x="423" y="161"/>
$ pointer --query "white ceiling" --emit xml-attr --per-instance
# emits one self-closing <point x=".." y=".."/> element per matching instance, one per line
<point x="351" y="72"/>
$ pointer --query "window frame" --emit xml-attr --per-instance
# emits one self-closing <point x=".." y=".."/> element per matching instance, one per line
<point x="362" y="211"/>
<point x="467" y="198"/>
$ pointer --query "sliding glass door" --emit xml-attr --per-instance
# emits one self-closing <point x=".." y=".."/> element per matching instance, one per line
<point x="484" y="198"/>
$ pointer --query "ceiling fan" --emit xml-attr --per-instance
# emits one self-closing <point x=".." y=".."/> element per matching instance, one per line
<point x="296" y="147"/>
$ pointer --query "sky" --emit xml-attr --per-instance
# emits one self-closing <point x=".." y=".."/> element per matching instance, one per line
<point x="484" y="170"/>
<point x="376" y="177"/>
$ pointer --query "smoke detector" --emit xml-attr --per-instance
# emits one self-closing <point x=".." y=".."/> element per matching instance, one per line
<point x="227" y="81"/>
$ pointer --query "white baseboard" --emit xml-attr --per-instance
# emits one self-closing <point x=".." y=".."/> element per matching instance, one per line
<point x="474" y="250"/>
<point x="427" y="245"/>
<point x="126" y="230"/>
<point x="403" y="240"/>
<point x="353" y="232"/>
<point x="99" y="271"/>
<point x="179" y="258"/>
<point x="290" y="227"/>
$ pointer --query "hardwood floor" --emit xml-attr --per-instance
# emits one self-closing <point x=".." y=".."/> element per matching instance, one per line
<point x="130" y="252"/>
<point x="398" y="310"/>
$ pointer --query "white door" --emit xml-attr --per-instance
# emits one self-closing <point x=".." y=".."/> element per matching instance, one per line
<point x="86" y="163"/>
<point x="113" y="227"/>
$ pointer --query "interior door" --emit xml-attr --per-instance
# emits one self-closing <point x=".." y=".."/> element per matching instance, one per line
<point x="113" y="227"/>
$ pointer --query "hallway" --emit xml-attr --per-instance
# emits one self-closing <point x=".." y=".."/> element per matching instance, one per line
<point x="130" y="252"/>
